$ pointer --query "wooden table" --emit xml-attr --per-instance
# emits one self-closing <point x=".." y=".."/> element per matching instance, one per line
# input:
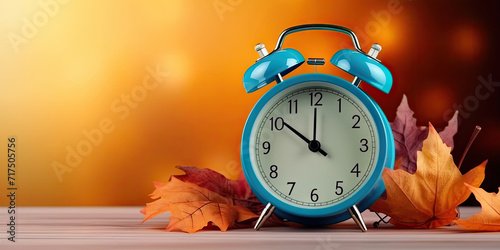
<point x="120" y="228"/>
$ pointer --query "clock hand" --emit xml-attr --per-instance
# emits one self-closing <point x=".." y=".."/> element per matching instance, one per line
<point x="314" y="145"/>
<point x="314" y="126"/>
<point x="296" y="132"/>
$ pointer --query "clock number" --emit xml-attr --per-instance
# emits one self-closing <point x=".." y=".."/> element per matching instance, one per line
<point x="293" y="185"/>
<point x="339" y="190"/>
<point x="355" y="170"/>
<point x="354" y="117"/>
<point x="316" y="98"/>
<point x="340" y="104"/>
<point x="364" y="145"/>
<point x="292" y="106"/>
<point x="267" y="146"/>
<point x="277" y="123"/>
<point x="274" y="171"/>
<point x="314" y="196"/>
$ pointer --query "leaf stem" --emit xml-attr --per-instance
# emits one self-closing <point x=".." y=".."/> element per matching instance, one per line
<point x="476" y="131"/>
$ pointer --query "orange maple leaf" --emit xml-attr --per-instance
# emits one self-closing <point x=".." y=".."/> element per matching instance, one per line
<point x="489" y="217"/>
<point x="429" y="197"/>
<point x="193" y="207"/>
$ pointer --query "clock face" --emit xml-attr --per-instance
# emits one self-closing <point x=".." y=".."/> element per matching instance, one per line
<point x="313" y="145"/>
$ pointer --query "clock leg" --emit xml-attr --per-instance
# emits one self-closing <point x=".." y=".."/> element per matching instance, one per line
<point x="268" y="210"/>
<point x="356" y="216"/>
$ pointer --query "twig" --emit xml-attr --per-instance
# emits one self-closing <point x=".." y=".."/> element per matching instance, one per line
<point x="471" y="140"/>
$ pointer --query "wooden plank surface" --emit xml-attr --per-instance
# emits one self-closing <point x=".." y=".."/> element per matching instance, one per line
<point x="120" y="228"/>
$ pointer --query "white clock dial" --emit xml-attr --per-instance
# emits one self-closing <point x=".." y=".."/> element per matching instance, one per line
<point x="314" y="145"/>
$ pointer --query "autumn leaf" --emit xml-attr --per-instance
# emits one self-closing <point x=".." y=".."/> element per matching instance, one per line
<point x="408" y="137"/>
<point x="193" y="207"/>
<point x="211" y="180"/>
<point x="489" y="217"/>
<point x="216" y="182"/>
<point x="237" y="190"/>
<point x="242" y="188"/>
<point x="429" y="197"/>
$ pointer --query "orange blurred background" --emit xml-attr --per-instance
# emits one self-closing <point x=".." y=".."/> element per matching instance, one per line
<point x="105" y="97"/>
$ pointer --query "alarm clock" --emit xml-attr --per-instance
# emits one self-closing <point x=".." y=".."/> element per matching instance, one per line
<point x="315" y="145"/>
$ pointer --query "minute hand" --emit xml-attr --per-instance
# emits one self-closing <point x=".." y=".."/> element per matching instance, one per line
<point x="303" y="137"/>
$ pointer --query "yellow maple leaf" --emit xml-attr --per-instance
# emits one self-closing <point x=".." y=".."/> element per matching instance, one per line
<point x="193" y="207"/>
<point x="429" y="197"/>
<point x="489" y="217"/>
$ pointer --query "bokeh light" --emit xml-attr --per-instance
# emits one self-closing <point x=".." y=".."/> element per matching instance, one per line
<point x="468" y="42"/>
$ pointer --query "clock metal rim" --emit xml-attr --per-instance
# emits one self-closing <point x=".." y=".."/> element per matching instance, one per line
<point x="291" y="211"/>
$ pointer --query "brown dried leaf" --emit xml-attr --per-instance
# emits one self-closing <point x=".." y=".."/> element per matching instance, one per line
<point x="193" y="207"/>
<point x="428" y="198"/>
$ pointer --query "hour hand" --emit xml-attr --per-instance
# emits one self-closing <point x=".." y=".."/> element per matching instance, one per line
<point x="314" y="145"/>
<point x="296" y="132"/>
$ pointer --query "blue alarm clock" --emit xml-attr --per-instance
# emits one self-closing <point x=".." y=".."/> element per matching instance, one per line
<point x="314" y="146"/>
